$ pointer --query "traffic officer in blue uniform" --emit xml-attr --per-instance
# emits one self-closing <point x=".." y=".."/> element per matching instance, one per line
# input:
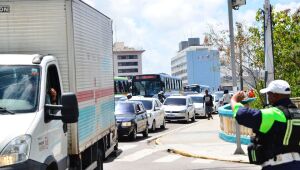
<point x="276" y="144"/>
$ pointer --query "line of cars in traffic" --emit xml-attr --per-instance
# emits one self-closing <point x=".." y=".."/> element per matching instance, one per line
<point x="143" y="114"/>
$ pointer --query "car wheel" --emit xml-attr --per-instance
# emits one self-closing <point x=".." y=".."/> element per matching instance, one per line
<point x="194" y="118"/>
<point x="132" y="135"/>
<point x="146" y="132"/>
<point x="188" y="118"/>
<point x="153" y="126"/>
<point x="163" y="126"/>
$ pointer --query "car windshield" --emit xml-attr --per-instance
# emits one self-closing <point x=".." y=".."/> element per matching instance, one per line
<point x="147" y="104"/>
<point x="19" y="88"/>
<point x="218" y="95"/>
<point x="124" y="108"/>
<point x="120" y="98"/>
<point x="175" y="101"/>
<point x="197" y="99"/>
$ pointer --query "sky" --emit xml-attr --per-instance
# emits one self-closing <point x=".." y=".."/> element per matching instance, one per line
<point x="157" y="26"/>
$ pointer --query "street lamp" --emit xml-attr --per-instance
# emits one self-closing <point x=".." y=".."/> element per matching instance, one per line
<point x="234" y="4"/>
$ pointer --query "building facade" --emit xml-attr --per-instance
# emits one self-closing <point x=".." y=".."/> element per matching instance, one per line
<point x="127" y="61"/>
<point x="197" y="64"/>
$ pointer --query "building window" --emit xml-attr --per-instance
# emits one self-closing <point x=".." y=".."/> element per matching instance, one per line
<point x="127" y="63"/>
<point x="132" y="70"/>
<point x="126" y="57"/>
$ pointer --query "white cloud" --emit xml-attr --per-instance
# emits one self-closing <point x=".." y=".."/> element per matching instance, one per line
<point x="91" y="2"/>
<point x="158" y="26"/>
<point x="292" y="5"/>
<point x="247" y="17"/>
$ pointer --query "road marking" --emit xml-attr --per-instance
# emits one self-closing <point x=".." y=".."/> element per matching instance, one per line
<point x="137" y="155"/>
<point x="169" y="158"/>
<point x="202" y="161"/>
<point x="127" y="147"/>
<point x="170" y="132"/>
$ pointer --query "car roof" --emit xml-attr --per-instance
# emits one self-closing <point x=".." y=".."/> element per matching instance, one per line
<point x="218" y="92"/>
<point x="130" y="102"/>
<point x="178" y="97"/>
<point x="142" y="98"/>
<point x="196" y="95"/>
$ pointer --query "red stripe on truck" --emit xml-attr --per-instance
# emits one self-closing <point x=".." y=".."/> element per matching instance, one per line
<point x="89" y="94"/>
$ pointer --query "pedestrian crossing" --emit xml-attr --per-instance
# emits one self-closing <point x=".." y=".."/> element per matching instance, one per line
<point x="168" y="158"/>
<point x="132" y="153"/>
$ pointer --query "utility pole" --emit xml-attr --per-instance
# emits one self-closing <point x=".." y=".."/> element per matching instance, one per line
<point x="232" y="51"/>
<point x="239" y="149"/>
<point x="269" y="57"/>
<point x="240" y="41"/>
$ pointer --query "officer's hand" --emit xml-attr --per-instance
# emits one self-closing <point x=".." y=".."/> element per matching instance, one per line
<point x="239" y="96"/>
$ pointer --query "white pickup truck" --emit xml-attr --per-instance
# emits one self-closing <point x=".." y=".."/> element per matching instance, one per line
<point x="65" y="45"/>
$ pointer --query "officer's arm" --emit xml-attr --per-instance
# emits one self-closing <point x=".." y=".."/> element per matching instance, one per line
<point x="250" y="118"/>
<point x="245" y="116"/>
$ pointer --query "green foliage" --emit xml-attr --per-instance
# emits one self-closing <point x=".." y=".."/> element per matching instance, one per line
<point x="260" y="99"/>
<point x="286" y="40"/>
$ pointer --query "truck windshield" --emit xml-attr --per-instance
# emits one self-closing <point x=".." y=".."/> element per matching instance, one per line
<point x="19" y="88"/>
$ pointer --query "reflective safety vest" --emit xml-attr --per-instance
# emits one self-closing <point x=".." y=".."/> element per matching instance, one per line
<point x="278" y="142"/>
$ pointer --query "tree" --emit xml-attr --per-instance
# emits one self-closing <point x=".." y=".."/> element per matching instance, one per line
<point x="249" y="41"/>
<point x="286" y="40"/>
<point x="251" y="66"/>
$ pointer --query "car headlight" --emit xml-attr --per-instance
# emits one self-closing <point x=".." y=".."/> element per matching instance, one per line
<point x="16" y="151"/>
<point x="182" y="111"/>
<point x="126" y="124"/>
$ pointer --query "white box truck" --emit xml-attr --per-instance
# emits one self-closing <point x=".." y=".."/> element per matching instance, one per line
<point x="65" y="45"/>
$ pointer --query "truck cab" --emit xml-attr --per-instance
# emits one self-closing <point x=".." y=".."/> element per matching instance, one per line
<point x="31" y="127"/>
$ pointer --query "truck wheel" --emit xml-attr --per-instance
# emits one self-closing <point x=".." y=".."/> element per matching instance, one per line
<point x="153" y="126"/>
<point x="163" y="126"/>
<point x="99" y="161"/>
<point x="146" y="132"/>
<point x="132" y="135"/>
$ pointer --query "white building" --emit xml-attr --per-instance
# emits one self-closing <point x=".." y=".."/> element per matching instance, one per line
<point x="197" y="64"/>
<point x="127" y="61"/>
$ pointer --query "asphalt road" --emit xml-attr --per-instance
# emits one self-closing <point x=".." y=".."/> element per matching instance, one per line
<point x="146" y="154"/>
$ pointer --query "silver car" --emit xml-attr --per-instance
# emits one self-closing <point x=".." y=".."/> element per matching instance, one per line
<point x="179" y="108"/>
<point x="156" y="115"/>
<point x="198" y="104"/>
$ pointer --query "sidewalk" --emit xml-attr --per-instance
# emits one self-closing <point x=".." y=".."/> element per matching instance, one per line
<point x="201" y="140"/>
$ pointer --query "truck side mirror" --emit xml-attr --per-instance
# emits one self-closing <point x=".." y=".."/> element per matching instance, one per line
<point x="69" y="111"/>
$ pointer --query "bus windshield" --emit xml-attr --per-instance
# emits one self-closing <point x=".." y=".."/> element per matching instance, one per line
<point x="19" y="88"/>
<point x="147" y="88"/>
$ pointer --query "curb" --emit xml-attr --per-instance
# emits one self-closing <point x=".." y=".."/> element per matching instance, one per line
<point x="175" y="151"/>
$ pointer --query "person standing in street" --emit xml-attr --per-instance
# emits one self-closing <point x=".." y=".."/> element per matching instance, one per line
<point x="276" y="144"/>
<point x="161" y="96"/>
<point x="226" y="97"/>
<point x="208" y="104"/>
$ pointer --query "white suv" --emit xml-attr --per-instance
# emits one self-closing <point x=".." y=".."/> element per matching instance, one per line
<point x="179" y="108"/>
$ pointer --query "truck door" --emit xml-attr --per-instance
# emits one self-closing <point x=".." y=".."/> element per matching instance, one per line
<point x="57" y="136"/>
